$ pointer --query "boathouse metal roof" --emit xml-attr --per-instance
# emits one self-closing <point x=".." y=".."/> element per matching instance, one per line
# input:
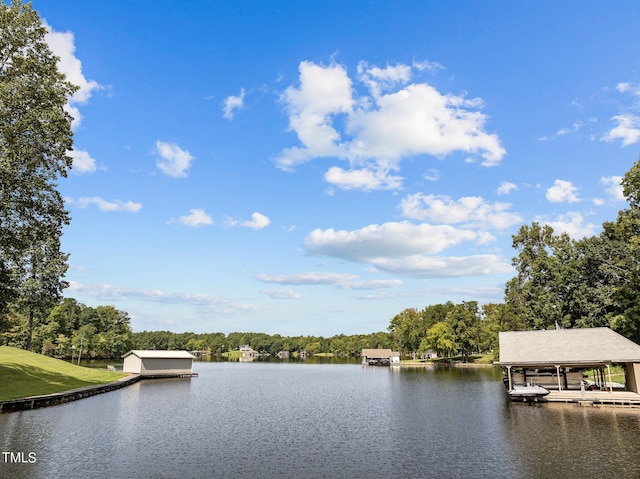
<point x="585" y="346"/>
<point x="379" y="353"/>
<point x="159" y="354"/>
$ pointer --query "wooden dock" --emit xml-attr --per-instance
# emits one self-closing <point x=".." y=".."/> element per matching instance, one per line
<point x="595" y="398"/>
<point x="169" y="375"/>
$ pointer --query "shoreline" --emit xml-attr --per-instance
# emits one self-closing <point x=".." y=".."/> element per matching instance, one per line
<point x="431" y="364"/>
<point x="33" y="402"/>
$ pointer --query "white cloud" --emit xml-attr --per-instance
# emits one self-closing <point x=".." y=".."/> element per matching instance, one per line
<point x="626" y="87"/>
<point x="379" y="79"/>
<point x="433" y="175"/>
<point x="196" y="217"/>
<point x="362" y="179"/>
<point x="313" y="278"/>
<point x="577" y="125"/>
<point x="233" y="103"/>
<point x="420" y="120"/>
<point x="628" y="129"/>
<point x="258" y="221"/>
<point x="287" y="293"/>
<point x="471" y="211"/>
<point x="386" y="240"/>
<point x="324" y="91"/>
<point x="613" y="187"/>
<point x="174" y="161"/>
<point x="339" y="280"/>
<point x="373" y="285"/>
<point x="623" y="87"/>
<point x="62" y="45"/>
<point x="571" y="223"/>
<point x="405" y="249"/>
<point x="506" y="187"/>
<point x="103" y="205"/>
<point x="425" y="65"/>
<point x="563" y="192"/>
<point x="82" y="162"/>
<point x="396" y="121"/>
<point x="443" y="267"/>
<point x="110" y="293"/>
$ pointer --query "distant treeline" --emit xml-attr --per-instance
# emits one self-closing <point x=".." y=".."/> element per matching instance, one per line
<point x="448" y="329"/>
<point x="217" y="343"/>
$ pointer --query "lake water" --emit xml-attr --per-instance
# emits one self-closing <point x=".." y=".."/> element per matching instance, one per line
<point x="272" y="420"/>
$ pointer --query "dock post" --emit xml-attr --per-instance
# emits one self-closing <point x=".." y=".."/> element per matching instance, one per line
<point x="558" y="373"/>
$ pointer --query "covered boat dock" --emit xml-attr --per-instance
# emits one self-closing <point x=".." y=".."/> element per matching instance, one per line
<point x="557" y="359"/>
<point x="380" y="357"/>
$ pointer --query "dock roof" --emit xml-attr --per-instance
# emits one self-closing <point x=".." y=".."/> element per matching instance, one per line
<point x="153" y="353"/>
<point x="379" y="353"/>
<point x="586" y="346"/>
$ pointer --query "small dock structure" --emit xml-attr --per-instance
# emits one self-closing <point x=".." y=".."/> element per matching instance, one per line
<point x="380" y="357"/>
<point x="159" y="363"/>
<point x="557" y="359"/>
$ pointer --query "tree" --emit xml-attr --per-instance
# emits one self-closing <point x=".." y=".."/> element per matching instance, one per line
<point x="407" y="330"/>
<point x="531" y="293"/>
<point x="464" y="322"/>
<point x="41" y="288"/>
<point x="436" y="313"/>
<point x="441" y="338"/>
<point x="587" y="283"/>
<point x="35" y="138"/>
<point x="624" y="233"/>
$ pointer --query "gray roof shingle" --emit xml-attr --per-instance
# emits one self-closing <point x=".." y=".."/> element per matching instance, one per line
<point x="565" y="347"/>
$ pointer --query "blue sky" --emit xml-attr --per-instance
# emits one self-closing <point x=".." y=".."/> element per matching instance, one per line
<point x="317" y="167"/>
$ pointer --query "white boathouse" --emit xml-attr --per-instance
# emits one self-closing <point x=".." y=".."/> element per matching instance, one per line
<point x="157" y="363"/>
<point x="380" y="357"/>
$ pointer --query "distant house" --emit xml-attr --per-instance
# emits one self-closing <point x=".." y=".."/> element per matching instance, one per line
<point x="429" y="354"/>
<point x="556" y="358"/>
<point x="380" y="357"/>
<point x="283" y="354"/>
<point x="152" y="363"/>
<point x="248" y="353"/>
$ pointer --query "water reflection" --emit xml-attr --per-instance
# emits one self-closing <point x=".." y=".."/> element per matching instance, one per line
<point x="276" y="419"/>
<point x="574" y="441"/>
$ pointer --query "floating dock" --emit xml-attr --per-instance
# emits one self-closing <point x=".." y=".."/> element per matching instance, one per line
<point x="594" y="398"/>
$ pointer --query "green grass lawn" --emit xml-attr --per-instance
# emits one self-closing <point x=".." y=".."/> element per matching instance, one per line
<point x="481" y="358"/>
<point x="474" y="358"/>
<point x="24" y="374"/>
<point x="235" y="354"/>
<point x="617" y="374"/>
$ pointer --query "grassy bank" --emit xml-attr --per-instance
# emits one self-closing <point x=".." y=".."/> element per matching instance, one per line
<point x="485" y="359"/>
<point x="235" y="354"/>
<point x="24" y="374"/>
<point x="617" y="374"/>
